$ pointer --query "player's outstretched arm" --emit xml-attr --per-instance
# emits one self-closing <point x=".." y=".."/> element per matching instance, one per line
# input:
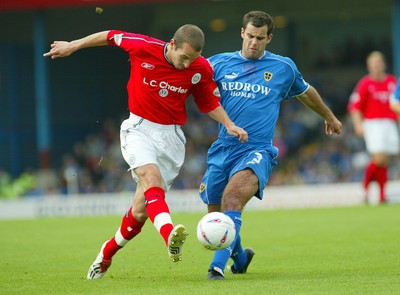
<point x="64" y="48"/>
<point x="221" y="116"/>
<point x="313" y="100"/>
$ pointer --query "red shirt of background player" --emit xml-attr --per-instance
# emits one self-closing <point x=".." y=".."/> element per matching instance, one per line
<point x="371" y="98"/>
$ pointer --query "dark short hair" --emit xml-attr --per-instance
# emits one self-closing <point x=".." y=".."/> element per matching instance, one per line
<point x="258" y="19"/>
<point x="191" y="35"/>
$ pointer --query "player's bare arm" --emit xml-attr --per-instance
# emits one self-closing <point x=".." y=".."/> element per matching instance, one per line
<point x="395" y="106"/>
<point x="221" y="116"/>
<point x="313" y="100"/>
<point x="357" y="118"/>
<point x="65" y="48"/>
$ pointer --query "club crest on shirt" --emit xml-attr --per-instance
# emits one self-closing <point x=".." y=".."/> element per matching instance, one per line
<point x="267" y="76"/>
<point x="202" y="187"/>
<point x="196" y="78"/>
<point x="118" y="39"/>
<point x="216" y="92"/>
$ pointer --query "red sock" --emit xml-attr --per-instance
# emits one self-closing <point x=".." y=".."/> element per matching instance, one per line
<point x="369" y="175"/>
<point x="129" y="228"/>
<point x="158" y="211"/>
<point x="381" y="178"/>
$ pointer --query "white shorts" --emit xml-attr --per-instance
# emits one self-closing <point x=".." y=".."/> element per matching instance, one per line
<point x="381" y="136"/>
<point x="144" y="142"/>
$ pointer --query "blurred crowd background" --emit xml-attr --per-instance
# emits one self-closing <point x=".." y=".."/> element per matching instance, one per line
<point x="94" y="164"/>
<point x="328" y="44"/>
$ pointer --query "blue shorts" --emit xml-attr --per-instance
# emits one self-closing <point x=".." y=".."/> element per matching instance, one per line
<point x="225" y="159"/>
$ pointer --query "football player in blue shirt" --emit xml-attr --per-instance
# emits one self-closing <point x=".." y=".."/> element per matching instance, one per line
<point x="252" y="83"/>
<point x="395" y="98"/>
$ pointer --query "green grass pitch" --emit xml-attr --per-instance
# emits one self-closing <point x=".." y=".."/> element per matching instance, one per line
<point x="351" y="250"/>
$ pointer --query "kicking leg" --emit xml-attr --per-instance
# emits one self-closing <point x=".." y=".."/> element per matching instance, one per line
<point x="129" y="228"/>
<point x="158" y="211"/>
<point x="240" y="189"/>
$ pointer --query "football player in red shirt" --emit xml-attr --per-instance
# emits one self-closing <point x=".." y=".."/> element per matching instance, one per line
<point x="163" y="75"/>
<point x="369" y="107"/>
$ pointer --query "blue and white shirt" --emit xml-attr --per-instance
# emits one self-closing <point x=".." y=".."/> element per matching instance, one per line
<point x="252" y="90"/>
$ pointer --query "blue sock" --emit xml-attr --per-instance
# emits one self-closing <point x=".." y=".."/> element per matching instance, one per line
<point x="221" y="257"/>
<point x="238" y="255"/>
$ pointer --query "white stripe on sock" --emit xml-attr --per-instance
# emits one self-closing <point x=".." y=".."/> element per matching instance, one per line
<point x="162" y="219"/>
<point x="120" y="239"/>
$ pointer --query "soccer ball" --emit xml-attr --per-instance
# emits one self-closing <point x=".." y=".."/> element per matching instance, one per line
<point x="216" y="231"/>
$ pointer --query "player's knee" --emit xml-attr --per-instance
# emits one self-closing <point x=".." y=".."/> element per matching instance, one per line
<point x="232" y="203"/>
<point x="139" y="214"/>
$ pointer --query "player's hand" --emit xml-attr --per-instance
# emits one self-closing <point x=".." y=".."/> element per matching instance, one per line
<point x="240" y="133"/>
<point x="60" y="49"/>
<point x="359" y="130"/>
<point x="333" y="127"/>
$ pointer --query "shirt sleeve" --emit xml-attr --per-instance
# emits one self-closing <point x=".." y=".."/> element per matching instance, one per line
<point x="114" y="37"/>
<point x="299" y="85"/>
<point x="356" y="97"/>
<point x="206" y="93"/>
<point x="129" y="42"/>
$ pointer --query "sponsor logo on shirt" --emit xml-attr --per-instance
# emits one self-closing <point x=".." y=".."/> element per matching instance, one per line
<point x="163" y="92"/>
<point x="246" y="90"/>
<point x="147" y="66"/>
<point x="231" y="76"/>
<point x="164" y="86"/>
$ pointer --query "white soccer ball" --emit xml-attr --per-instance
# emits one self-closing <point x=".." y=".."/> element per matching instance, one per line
<point x="216" y="231"/>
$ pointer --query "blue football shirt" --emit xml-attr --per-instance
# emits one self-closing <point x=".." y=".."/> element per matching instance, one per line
<point x="252" y="90"/>
<point x="396" y="93"/>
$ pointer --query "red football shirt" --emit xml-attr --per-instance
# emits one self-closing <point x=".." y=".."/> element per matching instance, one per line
<point x="157" y="91"/>
<point x="371" y="98"/>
